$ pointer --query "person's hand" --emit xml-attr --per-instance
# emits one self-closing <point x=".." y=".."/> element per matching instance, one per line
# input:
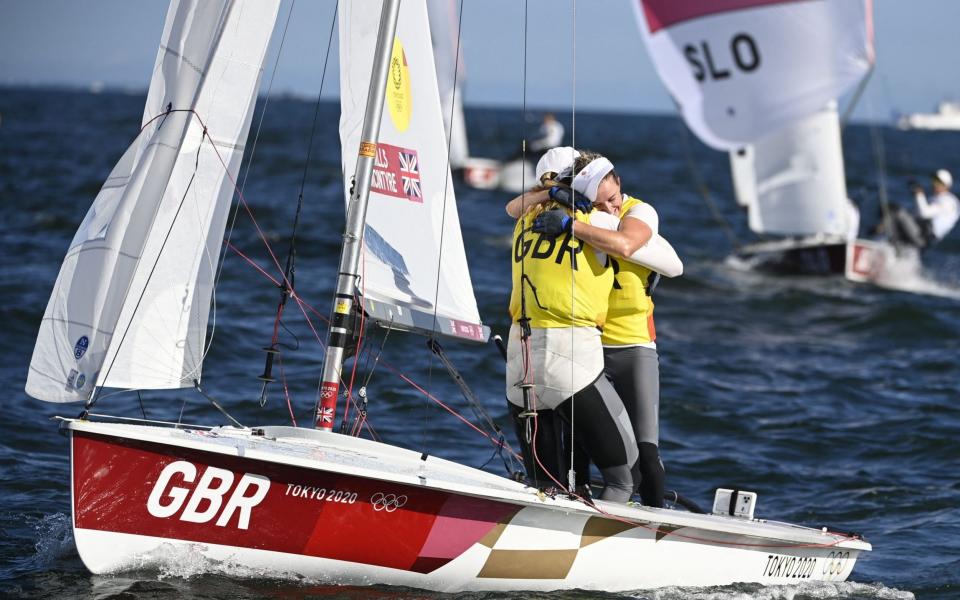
<point x="552" y="223"/>
<point x="570" y="199"/>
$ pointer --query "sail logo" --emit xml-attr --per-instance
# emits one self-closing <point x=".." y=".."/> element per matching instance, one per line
<point x="396" y="173"/>
<point x="399" y="99"/>
<point x="80" y="348"/>
<point x="202" y="502"/>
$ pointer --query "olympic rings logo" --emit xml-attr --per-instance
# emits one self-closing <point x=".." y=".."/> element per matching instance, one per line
<point x="835" y="563"/>
<point x="387" y="502"/>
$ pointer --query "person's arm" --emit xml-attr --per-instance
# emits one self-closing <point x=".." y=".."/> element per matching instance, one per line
<point x="525" y="201"/>
<point x="924" y="208"/>
<point x="658" y="255"/>
<point x="629" y="237"/>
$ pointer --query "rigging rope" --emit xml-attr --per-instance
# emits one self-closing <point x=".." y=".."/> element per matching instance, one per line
<point x="703" y="190"/>
<point x="571" y="472"/>
<point x="290" y="267"/>
<point x="256" y="138"/>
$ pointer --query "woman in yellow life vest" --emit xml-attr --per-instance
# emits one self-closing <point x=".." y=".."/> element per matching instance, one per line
<point x="630" y="356"/>
<point x="561" y="289"/>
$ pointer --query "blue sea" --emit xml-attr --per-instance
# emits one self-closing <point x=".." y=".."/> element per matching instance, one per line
<point x="838" y="403"/>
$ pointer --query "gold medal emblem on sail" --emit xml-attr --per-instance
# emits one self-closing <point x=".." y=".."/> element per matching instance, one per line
<point x="398" y="98"/>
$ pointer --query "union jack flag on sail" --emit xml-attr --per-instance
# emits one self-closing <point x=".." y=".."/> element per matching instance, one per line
<point x="396" y="173"/>
<point x="410" y="175"/>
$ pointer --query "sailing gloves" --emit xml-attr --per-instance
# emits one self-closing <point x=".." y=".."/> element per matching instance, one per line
<point x="570" y="199"/>
<point x="553" y="222"/>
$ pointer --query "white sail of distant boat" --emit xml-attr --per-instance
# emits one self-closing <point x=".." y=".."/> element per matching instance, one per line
<point x="742" y="69"/>
<point x="411" y="188"/>
<point x="760" y="78"/>
<point x="792" y="181"/>
<point x="130" y="305"/>
<point x="448" y="57"/>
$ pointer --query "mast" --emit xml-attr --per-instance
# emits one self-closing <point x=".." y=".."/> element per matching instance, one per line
<point x="339" y="333"/>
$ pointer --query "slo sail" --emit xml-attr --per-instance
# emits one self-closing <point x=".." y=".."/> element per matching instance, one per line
<point x="760" y="78"/>
<point x="311" y="503"/>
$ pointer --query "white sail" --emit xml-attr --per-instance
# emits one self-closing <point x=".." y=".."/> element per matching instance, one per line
<point x="131" y="302"/>
<point x="741" y="69"/>
<point x="448" y="56"/>
<point x="414" y="264"/>
<point x="799" y="184"/>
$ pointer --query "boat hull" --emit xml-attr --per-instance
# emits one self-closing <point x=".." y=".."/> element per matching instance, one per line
<point x="140" y="504"/>
<point x="800" y="258"/>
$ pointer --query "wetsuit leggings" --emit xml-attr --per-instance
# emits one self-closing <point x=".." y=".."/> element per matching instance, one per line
<point x="600" y="427"/>
<point x="635" y="373"/>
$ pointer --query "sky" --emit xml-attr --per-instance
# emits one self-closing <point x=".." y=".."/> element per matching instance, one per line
<point x="113" y="43"/>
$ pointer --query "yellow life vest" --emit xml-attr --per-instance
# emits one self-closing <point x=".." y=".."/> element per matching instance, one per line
<point x="630" y="313"/>
<point x="564" y="284"/>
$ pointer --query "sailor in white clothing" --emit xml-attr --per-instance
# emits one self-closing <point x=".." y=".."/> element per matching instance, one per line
<point x="550" y="134"/>
<point x="939" y="213"/>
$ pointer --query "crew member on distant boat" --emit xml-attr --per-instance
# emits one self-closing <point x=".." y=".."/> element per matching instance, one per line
<point x="550" y="134"/>
<point x="935" y="216"/>
<point x="558" y="304"/>
<point x="939" y="214"/>
<point x="630" y="355"/>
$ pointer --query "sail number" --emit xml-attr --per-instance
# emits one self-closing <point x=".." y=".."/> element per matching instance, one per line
<point x="741" y="54"/>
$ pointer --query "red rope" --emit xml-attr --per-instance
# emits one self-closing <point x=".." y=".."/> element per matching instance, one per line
<point x="496" y="442"/>
<point x="301" y="303"/>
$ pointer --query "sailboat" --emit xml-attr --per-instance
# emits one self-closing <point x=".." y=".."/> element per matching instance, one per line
<point x="513" y="175"/>
<point x="129" y="310"/>
<point x="792" y="185"/>
<point x="760" y="79"/>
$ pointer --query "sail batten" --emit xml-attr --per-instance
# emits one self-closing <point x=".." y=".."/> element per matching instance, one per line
<point x="131" y="302"/>
<point x="415" y="274"/>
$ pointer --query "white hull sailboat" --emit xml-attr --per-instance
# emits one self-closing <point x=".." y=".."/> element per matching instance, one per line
<point x="319" y="505"/>
<point x="129" y="311"/>
<point x="792" y="185"/>
<point x="512" y="176"/>
<point x="760" y="80"/>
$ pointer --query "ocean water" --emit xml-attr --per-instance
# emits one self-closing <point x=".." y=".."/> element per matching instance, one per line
<point x="837" y="403"/>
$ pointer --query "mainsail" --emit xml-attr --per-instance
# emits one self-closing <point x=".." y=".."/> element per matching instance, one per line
<point x="792" y="181"/>
<point x="742" y="69"/>
<point x="448" y="56"/>
<point x="131" y="302"/>
<point x="414" y="270"/>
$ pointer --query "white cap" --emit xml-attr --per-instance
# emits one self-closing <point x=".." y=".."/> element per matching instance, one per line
<point x="944" y="177"/>
<point x="588" y="179"/>
<point x="556" y="160"/>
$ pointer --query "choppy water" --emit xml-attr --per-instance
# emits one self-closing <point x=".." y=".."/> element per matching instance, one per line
<point x="837" y="403"/>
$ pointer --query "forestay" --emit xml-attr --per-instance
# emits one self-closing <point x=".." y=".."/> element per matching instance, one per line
<point x="792" y="181"/>
<point x="444" y="27"/>
<point x="741" y="69"/>
<point x="132" y="299"/>
<point x="414" y="265"/>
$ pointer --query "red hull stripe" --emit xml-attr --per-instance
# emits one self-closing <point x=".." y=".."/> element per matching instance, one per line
<point x="150" y="489"/>
<point x="664" y="13"/>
